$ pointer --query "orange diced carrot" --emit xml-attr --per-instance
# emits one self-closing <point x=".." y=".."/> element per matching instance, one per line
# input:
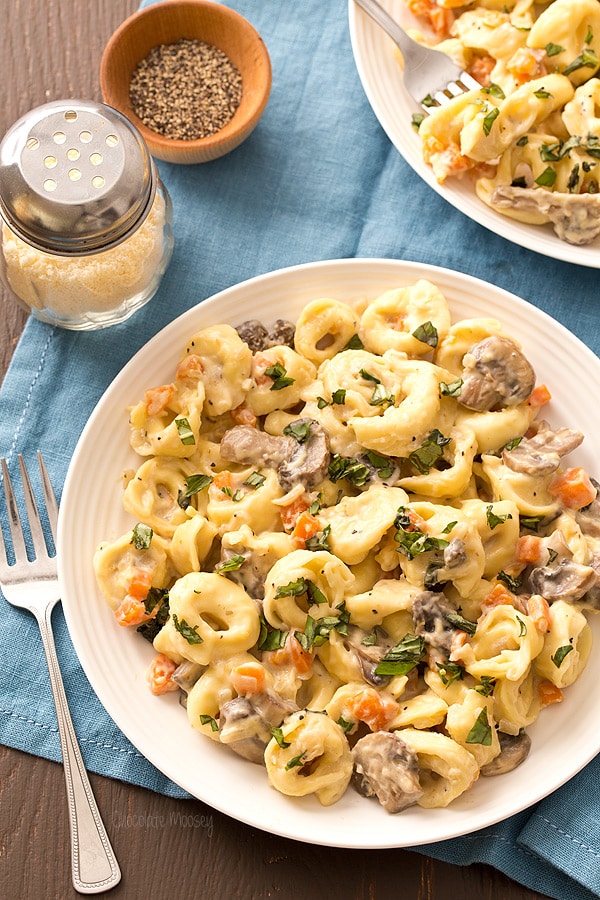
<point x="131" y="610"/>
<point x="289" y="514"/>
<point x="529" y="549"/>
<point x="241" y="415"/>
<point x="438" y="18"/>
<point x="573" y="488"/>
<point x="306" y="527"/>
<point x="248" y="678"/>
<point x="498" y="596"/>
<point x="539" y="396"/>
<point x="191" y="366"/>
<point x="160" y="675"/>
<point x="480" y="68"/>
<point x="373" y="708"/>
<point x="291" y="654"/>
<point x="222" y="480"/>
<point x="157" y="399"/>
<point x="539" y="611"/>
<point x="549" y="693"/>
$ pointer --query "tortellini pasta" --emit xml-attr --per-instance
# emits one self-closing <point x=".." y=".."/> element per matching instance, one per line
<point x="359" y="562"/>
<point x="534" y="121"/>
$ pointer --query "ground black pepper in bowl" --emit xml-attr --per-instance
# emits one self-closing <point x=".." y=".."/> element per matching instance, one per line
<point x="186" y="90"/>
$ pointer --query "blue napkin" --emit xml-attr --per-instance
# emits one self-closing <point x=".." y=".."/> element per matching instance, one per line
<point x="318" y="179"/>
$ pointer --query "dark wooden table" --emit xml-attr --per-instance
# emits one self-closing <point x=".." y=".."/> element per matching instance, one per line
<point x="49" y="50"/>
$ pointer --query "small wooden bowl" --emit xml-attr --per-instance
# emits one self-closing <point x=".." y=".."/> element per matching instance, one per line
<point x="204" y="20"/>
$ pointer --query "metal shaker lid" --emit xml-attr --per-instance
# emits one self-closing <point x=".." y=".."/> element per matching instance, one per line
<point x="75" y="177"/>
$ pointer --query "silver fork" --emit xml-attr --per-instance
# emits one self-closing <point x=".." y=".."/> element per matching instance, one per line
<point x="33" y="585"/>
<point x="430" y="77"/>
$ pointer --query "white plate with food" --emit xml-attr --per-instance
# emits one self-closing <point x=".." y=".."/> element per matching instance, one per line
<point x="379" y="67"/>
<point x="564" y="737"/>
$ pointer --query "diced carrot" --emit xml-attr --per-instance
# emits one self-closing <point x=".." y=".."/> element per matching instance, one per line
<point x="289" y="514"/>
<point x="157" y="399"/>
<point x="248" y="678"/>
<point x="222" y="480"/>
<point x="259" y="364"/>
<point x="160" y="675"/>
<point x="549" y="693"/>
<point x="539" y="611"/>
<point x="131" y="610"/>
<point x="527" y="64"/>
<point x="374" y="709"/>
<point x="417" y="522"/>
<point x="447" y="162"/>
<point x="191" y="366"/>
<point x="498" y="596"/>
<point x="480" y="68"/>
<point x="438" y="18"/>
<point x="292" y="654"/>
<point x="539" y="396"/>
<point x="306" y="527"/>
<point x="241" y="415"/>
<point x="573" y="488"/>
<point x="529" y="549"/>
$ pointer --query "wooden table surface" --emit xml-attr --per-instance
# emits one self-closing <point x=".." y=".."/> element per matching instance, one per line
<point x="50" y="50"/>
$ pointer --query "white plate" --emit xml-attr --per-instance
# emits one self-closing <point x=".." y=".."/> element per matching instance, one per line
<point x="381" y="76"/>
<point x="564" y="739"/>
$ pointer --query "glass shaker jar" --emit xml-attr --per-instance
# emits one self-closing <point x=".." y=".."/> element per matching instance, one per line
<point x="85" y="219"/>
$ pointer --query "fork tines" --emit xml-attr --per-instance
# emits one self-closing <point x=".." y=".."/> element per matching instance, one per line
<point x="35" y="523"/>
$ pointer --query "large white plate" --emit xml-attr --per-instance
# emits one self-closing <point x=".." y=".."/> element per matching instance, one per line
<point x="564" y="739"/>
<point x="381" y="76"/>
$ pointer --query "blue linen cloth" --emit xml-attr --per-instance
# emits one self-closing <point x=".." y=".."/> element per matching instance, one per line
<point x="318" y="179"/>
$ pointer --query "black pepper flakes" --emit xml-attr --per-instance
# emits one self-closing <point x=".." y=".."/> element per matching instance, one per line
<point x="186" y="90"/>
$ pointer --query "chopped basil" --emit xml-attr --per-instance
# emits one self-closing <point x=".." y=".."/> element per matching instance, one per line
<point x="523" y="141"/>
<point x="428" y="101"/>
<point x="317" y="631"/>
<point x="315" y="594"/>
<point x="141" y="536"/>
<point x="510" y="445"/>
<point x="413" y="543"/>
<point x="490" y="119"/>
<point x="430" y="578"/>
<point x="296" y="761"/>
<point x="547" y="178"/>
<point x="560" y="654"/>
<point x="300" y="431"/>
<point x="542" y="94"/>
<point x="481" y="732"/>
<point x="402" y="658"/>
<point x="573" y="178"/>
<point x="270" y="638"/>
<point x="292" y="589"/>
<point x="451" y="388"/>
<point x="380" y="398"/>
<point x="279" y="377"/>
<point x="369" y="639"/>
<point x="384" y="465"/>
<point x="449" y="527"/>
<point x="586" y="59"/>
<point x="369" y="377"/>
<point x="186" y="435"/>
<point x="512" y="583"/>
<point x="429" y="452"/>
<point x="193" y="485"/>
<point x="531" y="523"/>
<point x="278" y="735"/>
<point x="486" y="687"/>
<point x="417" y="120"/>
<point x="494" y="90"/>
<point x="461" y="623"/>
<point x="354" y="343"/>
<point x="319" y="541"/>
<point x="345" y="726"/>
<point x="255" y="480"/>
<point x="154" y="597"/>
<point x="553" y="49"/>
<point x="186" y="631"/>
<point x="209" y="720"/>
<point x="450" y="672"/>
<point x="589" y="37"/>
<point x="427" y="333"/>
<point x="492" y="519"/>
<point x="338" y="398"/>
<point x="231" y="565"/>
<point x="522" y="626"/>
<point x="348" y="467"/>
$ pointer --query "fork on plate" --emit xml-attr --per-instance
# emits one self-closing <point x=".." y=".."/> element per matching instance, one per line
<point x="33" y="585"/>
<point x="430" y="77"/>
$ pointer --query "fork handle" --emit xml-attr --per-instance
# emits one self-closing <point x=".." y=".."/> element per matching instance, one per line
<point x="94" y="865"/>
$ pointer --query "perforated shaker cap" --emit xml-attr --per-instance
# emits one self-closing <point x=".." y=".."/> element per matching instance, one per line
<point x="75" y="177"/>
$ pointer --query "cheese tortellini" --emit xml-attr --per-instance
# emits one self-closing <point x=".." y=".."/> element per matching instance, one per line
<point x="534" y="121"/>
<point x="358" y="551"/>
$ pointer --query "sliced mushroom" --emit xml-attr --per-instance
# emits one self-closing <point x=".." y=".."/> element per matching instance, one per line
<point x="282" y="333"/>
<point x="187" y="674"/>
<point x="254" y="333"/>
<point x="245" y="723"/>
<point x="567" y="580"/>
<point x="369" y="655"/>
<point x="588" y="518"/>
<point x="308" y="462"/>
<point x="455" y="554"/>
<point x="514" y="749"/>
<point x="575" y="217"/>
<point x="387" y="768"/>
<point x="496" y="374"/>
<point x="247" y="445"/>
<point x="430" y="613"/>
<point x="541" y="454"/>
